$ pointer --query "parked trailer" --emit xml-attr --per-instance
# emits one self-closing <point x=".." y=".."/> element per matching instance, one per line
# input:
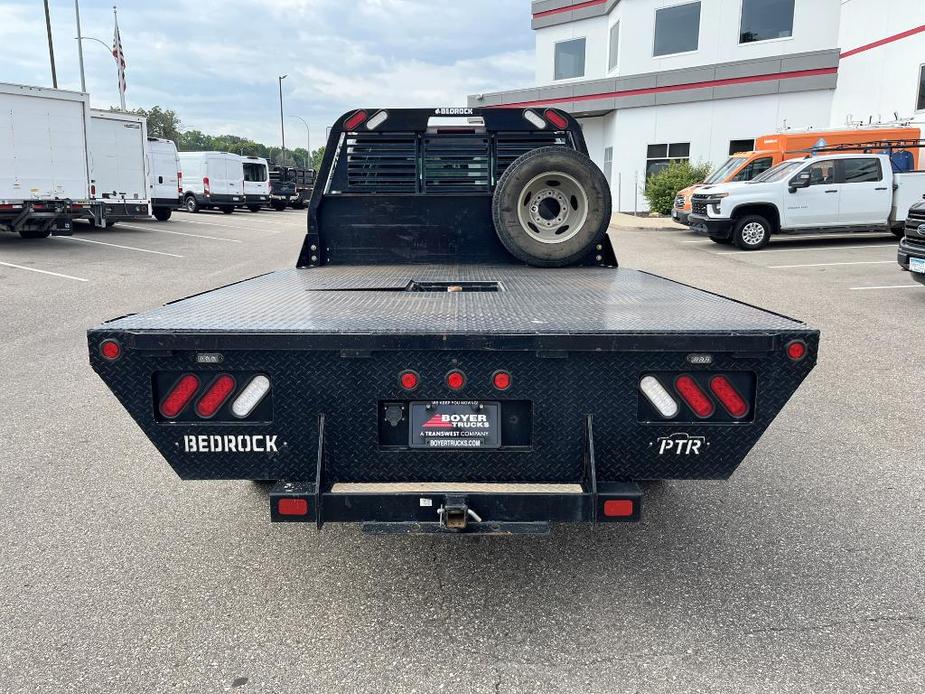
<point x="414" y="374"/>
<point x="44" y="169"/>
<point x="118" y="167"/>
<point x="164" y="178"/>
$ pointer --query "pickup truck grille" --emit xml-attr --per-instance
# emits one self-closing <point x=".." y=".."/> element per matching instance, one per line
<point x="915" y="220"/>
<point x="699" y="205"/>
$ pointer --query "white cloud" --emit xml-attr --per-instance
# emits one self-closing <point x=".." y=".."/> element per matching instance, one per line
<point x="216" y="61"/>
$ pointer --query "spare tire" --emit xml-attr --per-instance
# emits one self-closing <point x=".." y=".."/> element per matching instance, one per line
<point x="551" y="207"/>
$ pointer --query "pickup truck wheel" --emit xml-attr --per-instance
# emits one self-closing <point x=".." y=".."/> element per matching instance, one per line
<point x="227" y="210"/>
<point x="551" y="207"/>
<point x="278" y="206"/>
<point x="191" y="204"/>
<point x="751" y="232"/>
<point x="254" y="208"/>
<point x="35" y="233"/>
<point x="162" y="214"/>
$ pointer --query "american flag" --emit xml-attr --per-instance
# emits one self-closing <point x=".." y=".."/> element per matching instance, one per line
<point x="119" y="57"/>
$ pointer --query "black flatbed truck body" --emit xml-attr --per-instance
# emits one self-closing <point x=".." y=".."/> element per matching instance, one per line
<point x="572" y="434"/>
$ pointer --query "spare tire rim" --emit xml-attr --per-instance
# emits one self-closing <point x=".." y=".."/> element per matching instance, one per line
<point x="753" y="233"/>
<point x="552" y="207"/>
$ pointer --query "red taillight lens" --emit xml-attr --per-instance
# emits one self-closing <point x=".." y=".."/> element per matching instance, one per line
<point x="110" y="349"/>
<point x="92" y="191"/>
<point x="501" y="380"/>
<point x="455" y="380"/>
<point x="205" y="185"/>
<point x="355" y="120"/>
<point x="726" y="393"/>
<point x="409" y="380"/>
<point x="179" y="396"/>
<point x="179" y="181"/>
<point x="220" y="390"/>
<point x="292" y="507"/>
<point x="557" y="119"/>
<point x="796" y="350"/>
<point x="618" y="508"/>
<point x="694" y="396"/>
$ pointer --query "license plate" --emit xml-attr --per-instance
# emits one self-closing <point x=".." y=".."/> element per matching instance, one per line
<point x="917" y="265"/>
<point x="453" y="424"/>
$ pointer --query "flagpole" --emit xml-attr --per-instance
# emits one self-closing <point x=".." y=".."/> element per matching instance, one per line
<point x="80" y="48"/>
<point x="115" y="15"/>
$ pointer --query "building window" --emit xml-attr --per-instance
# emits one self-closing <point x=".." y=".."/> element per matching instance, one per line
<point x="570" y="59"/>
<point x="614" y="46"/>
<point x="766" y="19"/>
<point x="677" y="29"/>
<point x="659" y="156"/>
<point x="921" y="105"/>
<point x="608" y="163"/>
<point x="736" y="146"/>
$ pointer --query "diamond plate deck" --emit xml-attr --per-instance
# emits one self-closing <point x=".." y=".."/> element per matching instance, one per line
<point x="369" y="300"/>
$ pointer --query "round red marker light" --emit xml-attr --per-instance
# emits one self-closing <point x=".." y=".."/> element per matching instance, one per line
<point x="501" y="380"/>
<point x="110" y="349"/>
<point x="796" y="350"/>
<point x="455" y="380"/>
<point x="409" y="380"/>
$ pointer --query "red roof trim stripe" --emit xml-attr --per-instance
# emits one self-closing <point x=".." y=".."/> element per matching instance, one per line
<point x="883" y="42"/>
<point x="569" y="8"/>
<point x="795" y="74"/>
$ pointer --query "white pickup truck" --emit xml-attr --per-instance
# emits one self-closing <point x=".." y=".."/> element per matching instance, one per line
<point x="836" y="193"/>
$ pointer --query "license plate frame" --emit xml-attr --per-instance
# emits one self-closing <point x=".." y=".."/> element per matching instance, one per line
<point x="455" y="425"/>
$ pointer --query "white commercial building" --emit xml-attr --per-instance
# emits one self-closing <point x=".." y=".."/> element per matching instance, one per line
<point x="656" y="80"/>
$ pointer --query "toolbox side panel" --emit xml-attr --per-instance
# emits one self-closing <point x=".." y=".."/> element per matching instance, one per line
<point x="350" y="391"/>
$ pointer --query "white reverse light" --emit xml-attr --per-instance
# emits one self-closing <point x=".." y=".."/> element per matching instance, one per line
<point x="251" y="396"/>
<point x="660" y="398"/>
<point x="535" y="119"/>
<point x="377" y="120"/>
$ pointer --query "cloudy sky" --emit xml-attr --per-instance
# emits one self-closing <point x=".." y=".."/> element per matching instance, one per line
<point x="215" y="61"/>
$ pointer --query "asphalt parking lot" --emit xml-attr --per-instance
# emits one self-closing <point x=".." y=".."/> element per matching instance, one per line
<point x="803" y="573"/>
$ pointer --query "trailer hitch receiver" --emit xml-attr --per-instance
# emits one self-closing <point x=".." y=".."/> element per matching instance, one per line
<point x="455" y="513"/>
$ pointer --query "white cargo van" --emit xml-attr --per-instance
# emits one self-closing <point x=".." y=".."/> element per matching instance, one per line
<point x="256" y="182"/>
<point x="212" y="180"/>
<point x="44" y="170"/>
<point x="118" y="167"/>
<point x="164" y="179"/>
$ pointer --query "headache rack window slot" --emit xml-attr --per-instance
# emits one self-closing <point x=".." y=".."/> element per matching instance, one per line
<point x="509" y="146"/>
<point x="456" y="163"/>
<point x="381" y="163"/>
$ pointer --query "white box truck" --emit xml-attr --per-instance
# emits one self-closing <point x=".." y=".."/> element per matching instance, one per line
<point x="212" y="180"/>
<point x="118" y="167"/>
<point x="256" y="182"/>
<point x="164" y="178"/>
<point x="44" y="168"/>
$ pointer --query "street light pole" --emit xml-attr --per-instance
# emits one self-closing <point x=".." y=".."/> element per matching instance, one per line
<point x="80" y="48"/>
<point x="282" y="124"/>
<point x="81" y="39"/>
<point x="51" y="47"/>
<point x="308" y="141"/>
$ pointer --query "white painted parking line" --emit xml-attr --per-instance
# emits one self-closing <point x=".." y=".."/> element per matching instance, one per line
<point x="859" y="262"/>
<point x="178" y="233"/>
<point x="44" y="272"/>
<point x="809" y="250"/>
<point x="229" y="226"/>
<point x="891" y="286"/>
<point x="116" y="245"/>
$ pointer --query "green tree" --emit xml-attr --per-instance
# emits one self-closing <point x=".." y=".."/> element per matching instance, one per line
<point x="161" y="122"/>
<point x="317" y="156"/>
<point x="662" y="187"/>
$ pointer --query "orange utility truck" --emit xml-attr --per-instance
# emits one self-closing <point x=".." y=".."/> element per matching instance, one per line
<point x="771" y="150"/>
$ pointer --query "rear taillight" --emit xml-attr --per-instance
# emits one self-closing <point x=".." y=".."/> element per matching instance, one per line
<point x="215" y="396"/>
<point x="660" y="398"/>
<point x="796" y="350"/>
<point x="110" y="350"/>
<point x="557" y="119"/>
<point x="693" y="395"/>
<point x="179" y="396"/>
<point x="205" y="185"/>
<point x="252" y="395"/>
<point x="292" y="507"/>
<point x="501" y="380"/>
<point x="618" y="508"/>
<point x="455" y="380"/>
<point x="179" y="181"/>
<point x="92" y="191"/>
<point x="727" y="394"/>
<point x="355" y="120"/>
